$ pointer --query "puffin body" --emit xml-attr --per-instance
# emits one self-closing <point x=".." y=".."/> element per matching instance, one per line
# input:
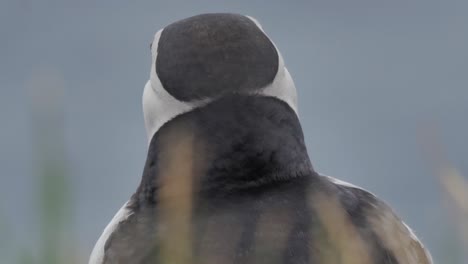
<point x="227" y="177"/>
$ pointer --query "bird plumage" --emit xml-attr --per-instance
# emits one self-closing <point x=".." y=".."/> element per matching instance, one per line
<point x="228" y="178"/>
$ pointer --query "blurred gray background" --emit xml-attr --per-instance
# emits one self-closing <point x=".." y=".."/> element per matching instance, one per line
<point x="371" y="75"/>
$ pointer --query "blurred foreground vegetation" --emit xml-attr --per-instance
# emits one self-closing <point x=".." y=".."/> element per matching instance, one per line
<point x="57" y="243"/>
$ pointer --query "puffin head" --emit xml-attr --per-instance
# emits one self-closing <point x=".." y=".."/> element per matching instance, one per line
<point x="203" y="58"/>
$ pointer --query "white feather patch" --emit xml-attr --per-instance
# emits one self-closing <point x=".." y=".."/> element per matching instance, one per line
<point x="97" y="256"/>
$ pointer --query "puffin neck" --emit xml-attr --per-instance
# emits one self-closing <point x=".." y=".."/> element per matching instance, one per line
<point x="234" y="143"/>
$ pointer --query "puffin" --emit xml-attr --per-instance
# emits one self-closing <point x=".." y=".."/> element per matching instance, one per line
<point x="227" y="177"/>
